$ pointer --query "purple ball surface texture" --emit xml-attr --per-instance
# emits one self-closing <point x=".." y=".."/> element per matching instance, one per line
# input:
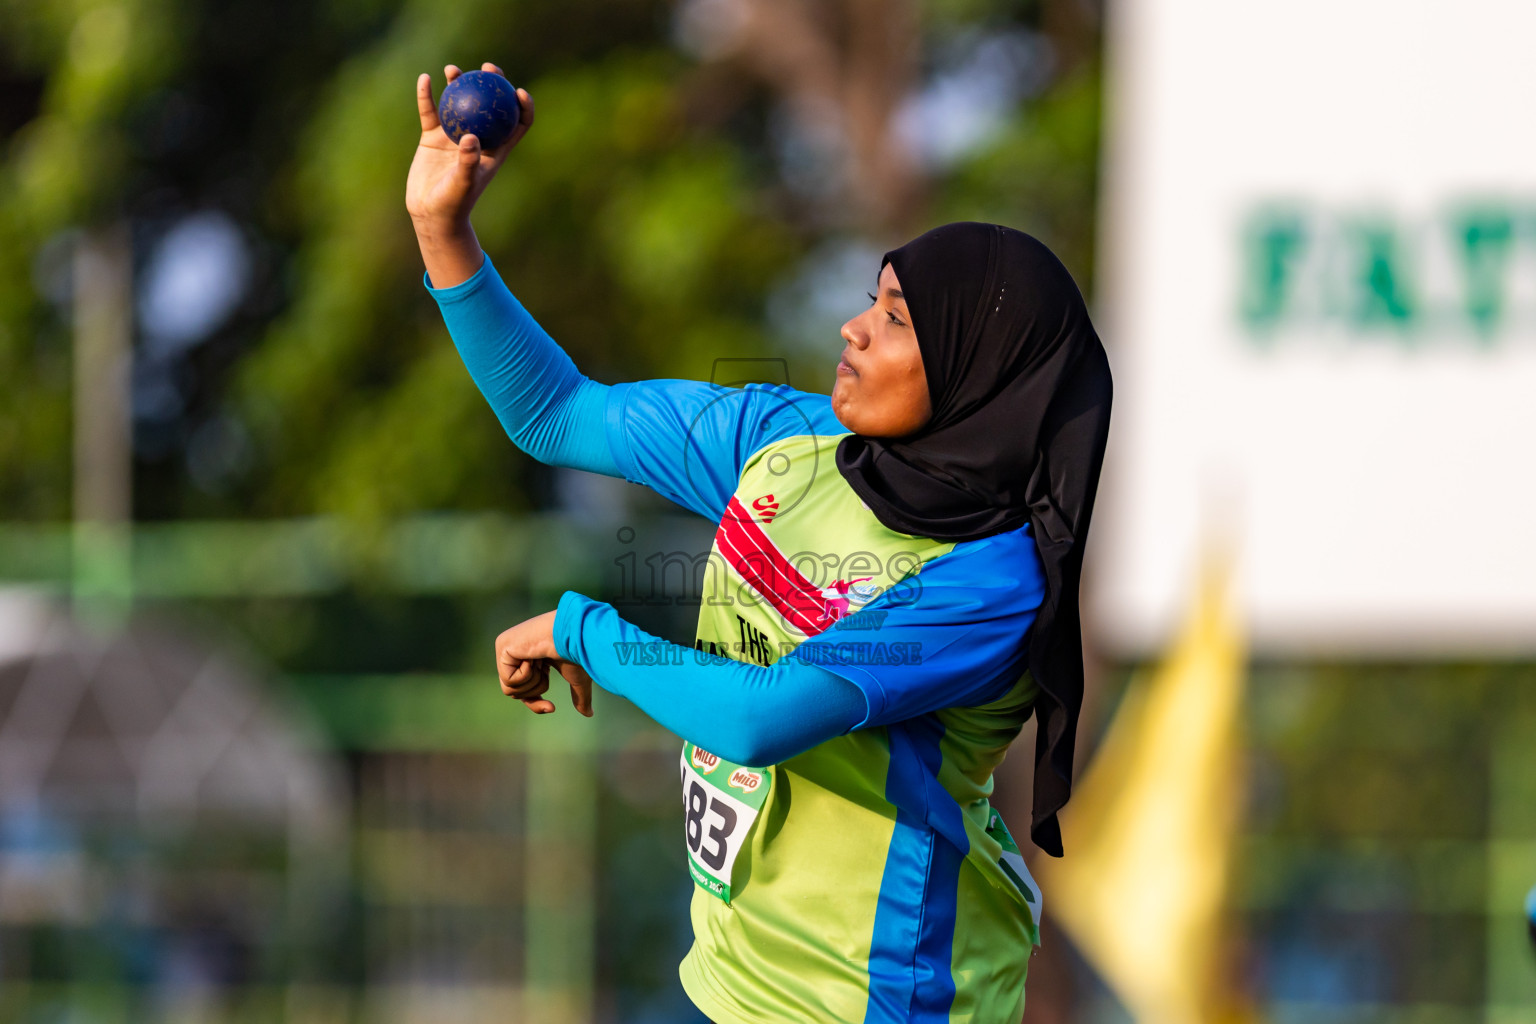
<point x="479" y="103"/>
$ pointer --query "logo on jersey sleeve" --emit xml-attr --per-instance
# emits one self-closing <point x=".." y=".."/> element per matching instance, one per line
<point x="767" y="507"/>
<point x="846" y="596"/>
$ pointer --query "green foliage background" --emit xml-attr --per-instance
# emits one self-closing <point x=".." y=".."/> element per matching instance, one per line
<point x="647" y="222"/>
<point x="644" y="236"/>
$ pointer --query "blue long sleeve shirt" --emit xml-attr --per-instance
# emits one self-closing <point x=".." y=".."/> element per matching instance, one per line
<point x="745" y="713"/>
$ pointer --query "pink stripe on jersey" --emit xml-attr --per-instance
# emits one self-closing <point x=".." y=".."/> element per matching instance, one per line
<point x="765" y="569"/>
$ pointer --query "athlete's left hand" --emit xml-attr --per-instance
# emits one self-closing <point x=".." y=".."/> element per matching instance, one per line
<point x="524" y="655"/>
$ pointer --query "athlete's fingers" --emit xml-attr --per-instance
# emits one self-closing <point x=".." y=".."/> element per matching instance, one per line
<point x="529" y="677"/>
<point x="493" y="69"/>
<point x="425" y="106"/>
<point x="581" y="685"/>
<point x="581" y="699"/>
<point x="511" y="669"/>
<point x="469" y="160"/>
<point x="540" y="707"/>
<point x="535" y="684"/>
<point x="494" y="158"/>
<point x="538" y="686"/>
<point x="506" y="673"/>
<point x="451" y="71"/>
<point x="524" y="122"/>
<point x="525" y="105"/>
<point x="518" y="675"/>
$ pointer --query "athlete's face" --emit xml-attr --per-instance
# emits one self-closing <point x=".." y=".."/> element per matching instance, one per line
<point x="881" y="390"/>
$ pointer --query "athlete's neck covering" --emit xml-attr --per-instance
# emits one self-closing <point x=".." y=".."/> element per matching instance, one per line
<point x="1020" y="389"/>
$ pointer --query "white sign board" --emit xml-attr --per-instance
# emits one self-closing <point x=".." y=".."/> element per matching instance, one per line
<point x="1318" y="290"/>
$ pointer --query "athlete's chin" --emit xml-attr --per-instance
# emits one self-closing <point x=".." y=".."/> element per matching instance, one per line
<point x="844" y="405"/>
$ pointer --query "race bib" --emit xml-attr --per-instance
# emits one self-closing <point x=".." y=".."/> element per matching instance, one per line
<point x="1012" y="863"/>
<point x="721" y="801"/>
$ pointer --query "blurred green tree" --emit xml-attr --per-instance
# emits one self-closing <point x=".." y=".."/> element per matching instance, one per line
<point x="690" y="159"/>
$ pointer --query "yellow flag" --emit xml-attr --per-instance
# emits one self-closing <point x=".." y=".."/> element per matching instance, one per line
<point x="1150" y="828"/>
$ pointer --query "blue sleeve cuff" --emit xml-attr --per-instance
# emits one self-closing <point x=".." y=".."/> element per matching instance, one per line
<point x="571" y="616"/>
<point x="463" y="289"/>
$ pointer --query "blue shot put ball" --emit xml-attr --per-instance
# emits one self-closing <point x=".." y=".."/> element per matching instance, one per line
<point x="482" y="104"/>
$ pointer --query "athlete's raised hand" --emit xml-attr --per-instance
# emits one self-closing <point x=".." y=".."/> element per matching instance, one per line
<point x="446" y="180"/>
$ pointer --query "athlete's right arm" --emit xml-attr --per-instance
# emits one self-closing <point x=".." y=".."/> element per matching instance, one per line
<point x="686" y="440"/>
<point x="547" y="407"/>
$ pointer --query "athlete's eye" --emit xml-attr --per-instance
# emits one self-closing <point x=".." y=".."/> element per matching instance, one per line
<point x="890" y="314"/>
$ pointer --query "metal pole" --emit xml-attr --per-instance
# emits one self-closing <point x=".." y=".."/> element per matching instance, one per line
<point x="1511" y="978"/>
<point x="560" y="833"/>
<point x="103" y="449"/>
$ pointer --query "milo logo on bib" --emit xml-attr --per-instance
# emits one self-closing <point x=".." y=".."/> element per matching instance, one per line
<point x="703" y="760"/>
<point x="744" y="780"/>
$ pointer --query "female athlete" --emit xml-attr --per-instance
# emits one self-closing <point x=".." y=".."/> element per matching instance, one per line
<point x="892" y="591"/>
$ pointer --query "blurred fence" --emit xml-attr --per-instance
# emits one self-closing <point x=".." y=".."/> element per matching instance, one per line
<point x="1390" y="837"/>
<point x="494" y="865"/>
<point x="479" y="839"/>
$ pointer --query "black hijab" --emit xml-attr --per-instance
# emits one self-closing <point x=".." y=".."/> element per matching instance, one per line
<point x="1020" y="389"/>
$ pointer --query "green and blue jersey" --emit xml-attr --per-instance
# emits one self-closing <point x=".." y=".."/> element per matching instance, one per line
<point x="870" y="888"/>
<point x="866" y="879"/>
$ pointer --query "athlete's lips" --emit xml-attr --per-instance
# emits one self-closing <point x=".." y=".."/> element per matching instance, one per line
<point x="844" y="366"/>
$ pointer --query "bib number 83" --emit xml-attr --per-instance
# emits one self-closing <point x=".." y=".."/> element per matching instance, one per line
<point x="711" y="815"/>
<point x="721" y="801"/>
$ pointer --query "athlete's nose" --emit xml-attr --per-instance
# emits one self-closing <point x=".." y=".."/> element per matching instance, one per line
<point x="854" y="333"/>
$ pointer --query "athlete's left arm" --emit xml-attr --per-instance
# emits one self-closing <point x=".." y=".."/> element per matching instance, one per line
<point x="750" y="714"/>
<point x="953" y="635"/>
